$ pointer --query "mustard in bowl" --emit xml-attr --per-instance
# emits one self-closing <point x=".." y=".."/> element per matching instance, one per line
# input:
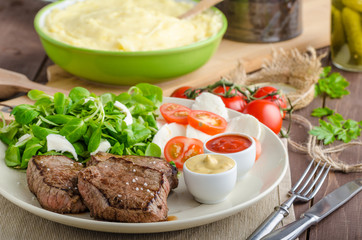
<point x="210" y="178"/>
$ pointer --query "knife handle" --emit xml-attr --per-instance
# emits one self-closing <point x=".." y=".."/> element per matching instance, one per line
<point x="292" y="230"/>
<point x="269" y="223"/>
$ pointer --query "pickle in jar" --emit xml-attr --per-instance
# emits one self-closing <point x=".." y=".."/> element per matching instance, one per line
<point x="353" y="4"/>
<point x="351" y="20"/>
<point x="337" y="35"/>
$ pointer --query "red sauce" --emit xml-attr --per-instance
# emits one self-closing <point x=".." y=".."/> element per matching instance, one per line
<point x="228" y="144"/>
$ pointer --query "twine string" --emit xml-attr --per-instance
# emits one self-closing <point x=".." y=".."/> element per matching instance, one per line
<point x="321" y="153"/>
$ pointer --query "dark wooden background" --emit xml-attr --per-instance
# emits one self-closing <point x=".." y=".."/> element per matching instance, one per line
<point x="21" y="51"/>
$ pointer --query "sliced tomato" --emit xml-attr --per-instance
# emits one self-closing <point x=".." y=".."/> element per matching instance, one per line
<point x="180" y="92"/>
<point x="258" y="148"/>
<point x="179" y="149"/>
<point x="173" y="112"/>
<point x="207" y="122"/>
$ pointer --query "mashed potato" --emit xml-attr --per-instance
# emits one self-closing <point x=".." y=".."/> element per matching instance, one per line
<point x="130" y="25"/>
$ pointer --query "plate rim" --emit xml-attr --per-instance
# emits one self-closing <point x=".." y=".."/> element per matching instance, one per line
<point x="156" y="227"/>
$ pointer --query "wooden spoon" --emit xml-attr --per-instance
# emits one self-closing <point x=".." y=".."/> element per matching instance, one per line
<point x="12" y="83"/>
<point x="199" y="7"/>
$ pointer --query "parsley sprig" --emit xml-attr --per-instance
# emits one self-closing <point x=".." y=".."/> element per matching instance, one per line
<point x="332" y="85"/>
<point x="335" y="127"/>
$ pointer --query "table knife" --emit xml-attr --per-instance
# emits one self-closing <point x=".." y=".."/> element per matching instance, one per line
<point x="316" y="213"/>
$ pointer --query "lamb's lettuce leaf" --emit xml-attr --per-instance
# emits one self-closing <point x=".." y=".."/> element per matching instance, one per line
<point x="84" y="119"/>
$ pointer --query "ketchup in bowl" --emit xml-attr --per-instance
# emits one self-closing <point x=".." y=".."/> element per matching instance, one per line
<point x="228" y="143"/>
<point x="238" y="146"/>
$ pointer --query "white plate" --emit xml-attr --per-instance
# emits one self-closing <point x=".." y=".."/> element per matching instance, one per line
<point x="265" y="175"/>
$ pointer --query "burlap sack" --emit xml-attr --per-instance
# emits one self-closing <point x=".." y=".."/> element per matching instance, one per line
<point x="298" y="70"/>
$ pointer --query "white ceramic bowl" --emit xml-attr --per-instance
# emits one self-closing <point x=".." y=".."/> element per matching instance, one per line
<point x="244" y="159"/>
<point x="210" y="188"/>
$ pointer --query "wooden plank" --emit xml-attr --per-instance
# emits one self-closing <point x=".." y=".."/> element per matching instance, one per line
<point x="346" y="222"/>
<point x="347" y="219"/>
<point x="20" y="48"/>
<point x="26" y="59"/>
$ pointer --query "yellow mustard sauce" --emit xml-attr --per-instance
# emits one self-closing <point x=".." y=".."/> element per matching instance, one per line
<point x="130" y="25"/>
<point x="209" y="164"/>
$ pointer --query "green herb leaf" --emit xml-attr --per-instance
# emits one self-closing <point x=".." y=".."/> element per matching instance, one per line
<point x="59" y="103"/>
<point x="107" y="98"/>
<point x="117" y="149"/>
<point x="337" y="128"/>
<point x="152" y="92"/>
<point x="8" y="133"/>
<point x="95" y="140"/>
<point x="25" y="113"/>
<point x="78" y="93"/>
<point x="42" y="132"/>
<point x="12" y="156"/>
<point x="137" y="133"/>
<point x="80" y="149"/>
<point x="37" y="94"/>
<point x="324" y="132"/>
<point x="321" y="112"/>
<point x="74" y="130"/>
<point x="31" y="149"/>
<point x="60" y="119"/>
<point x="84" y="119"/>
<point x="153" y="150"/>
<point x="110" y="127"/>
<point x="333" y="84"/>
<point x="336" y="120"/>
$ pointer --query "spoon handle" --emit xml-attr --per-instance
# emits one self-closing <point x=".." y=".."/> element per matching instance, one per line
<point x="199" y="7"/>
<point x="16" y="82"/>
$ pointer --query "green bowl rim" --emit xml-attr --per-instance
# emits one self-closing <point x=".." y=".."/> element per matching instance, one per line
<point x="207" y="41"/>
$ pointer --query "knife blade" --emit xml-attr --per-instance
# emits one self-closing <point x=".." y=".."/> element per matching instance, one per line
<point x="319" y="211"/>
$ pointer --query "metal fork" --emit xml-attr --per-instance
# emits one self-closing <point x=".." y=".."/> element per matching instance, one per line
<point x="295" y="195"/>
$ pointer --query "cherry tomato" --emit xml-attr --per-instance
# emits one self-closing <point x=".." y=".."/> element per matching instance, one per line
<point x="179" y="149"/>
<point x="236" y="103"/>
<point x="173" y="112"/>
<point x="207" y="122"/>
<point x="258" y="148"/>
<point x="279" y="100"/>
<point x="180" y="92"/>
<point x="267" y="113"/>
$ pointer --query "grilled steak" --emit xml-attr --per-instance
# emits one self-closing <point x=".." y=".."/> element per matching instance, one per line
<point x="117" y="189"/>
<point x="159" y="164"/>
<point x="53" y="180"/>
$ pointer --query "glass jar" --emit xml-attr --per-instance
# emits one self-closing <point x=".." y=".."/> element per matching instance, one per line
<point x="346" y="34"/>
<point x="259" y="21"/>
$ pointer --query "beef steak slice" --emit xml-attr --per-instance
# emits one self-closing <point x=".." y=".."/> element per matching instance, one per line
<point x="116" y="189"/>
<point x="159" y="164"/>
<point x="53" y="180"/>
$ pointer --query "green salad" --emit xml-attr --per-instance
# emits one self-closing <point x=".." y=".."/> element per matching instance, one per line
<point x="82" y="123"/>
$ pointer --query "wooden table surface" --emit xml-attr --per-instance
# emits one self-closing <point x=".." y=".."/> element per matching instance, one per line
<point x="21" y="51"/>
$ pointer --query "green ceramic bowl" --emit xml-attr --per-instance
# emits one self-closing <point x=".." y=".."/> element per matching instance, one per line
<point x="125" y="68"/>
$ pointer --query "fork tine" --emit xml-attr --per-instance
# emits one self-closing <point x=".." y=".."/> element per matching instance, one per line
<point x="309" y="177"/>
<point x="302" y="177"/>
<point x="315" y="180"/>
<point x="318" y="186"/>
